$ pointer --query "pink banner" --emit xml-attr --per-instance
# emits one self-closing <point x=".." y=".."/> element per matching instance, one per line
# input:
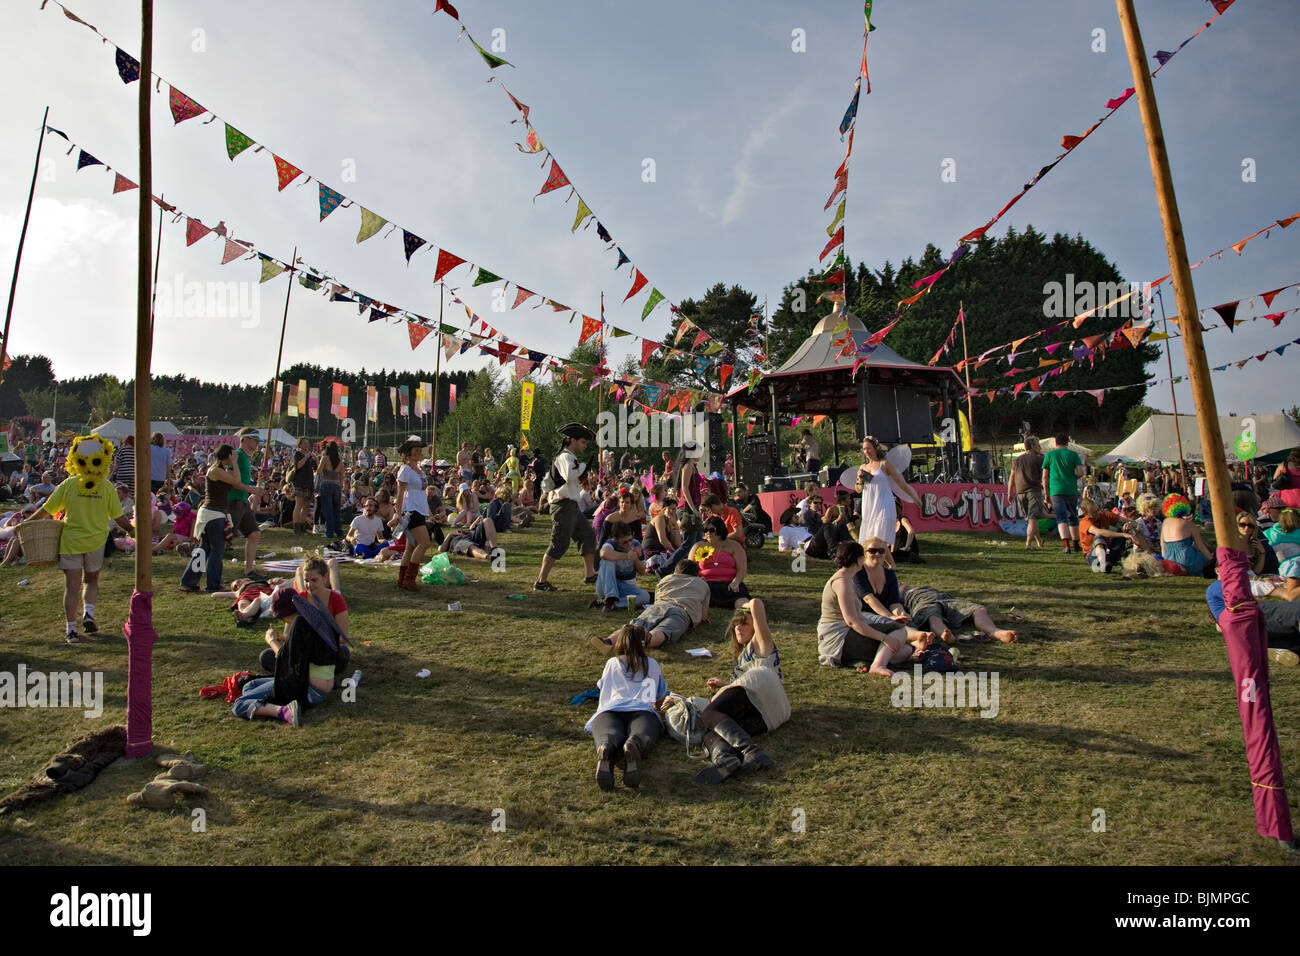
<point x="952" y="507"/>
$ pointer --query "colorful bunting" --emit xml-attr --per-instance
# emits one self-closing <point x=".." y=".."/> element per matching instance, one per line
<point x="128" y="67"/>
<point x="84" y="159"/>
<point x="836" y="240"/>
<point x="236" y="142"/>
<point x="590" y="327"/>
<point x="410" y="242"/>
<point x="329" y="201"/>
<point x="370" y="224"/>
<point x="655" y="298"/>
<point x="194" y="231"/>
<point x="446" y="262"/>
<point x="583" y="212"/>
<point x="285" y="172"/>
<point x="485" y="277"/>
<point x="647" y="349"/>
<point x="121" y="184"/>
<point x="183" y="107"/>
<point x="554" y="180"/>
<point x="1228" y="313"/>
<point x="638" y="283"/>
<point x="270" y="269"/>
<point x="417" y="333"/>
<point x="491" y="59"/>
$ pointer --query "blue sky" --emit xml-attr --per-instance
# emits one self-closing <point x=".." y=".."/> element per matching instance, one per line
<point x="741" y="128"/>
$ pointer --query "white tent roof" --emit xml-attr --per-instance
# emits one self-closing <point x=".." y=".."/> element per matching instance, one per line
<point x="279" y="436"/>
<point x="115" y="429"/>
<point x="1156" y="439"/>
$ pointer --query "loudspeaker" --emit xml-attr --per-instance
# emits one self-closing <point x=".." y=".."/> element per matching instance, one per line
<point x="981" y="465"/>
<point x="715" y="445"/>
<point x="758" y="460"/>
<point x="893" y="415"/>
<point x="830" y="475"/>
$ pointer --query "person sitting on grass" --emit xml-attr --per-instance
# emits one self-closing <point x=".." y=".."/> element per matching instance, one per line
<point x="1145" y="527"/>
<point x="681" y="603"/>
<point x="1180" y="539"/>
<point x="1284" y="536"/>
<point x="906" y="548"/>
<point x="731" y="519"/>
<point x="1103" y="545"/>
<point x="499" y="509"/>
<point x="722" y="564"/>
<point x="1281" y="618"/>
<point x="305" y="664"/>
<point x="751" y="703"/>
<point x="663" y="533"/>
<point x="632" y="689"/>
<point x="837" y="528"/>
<point x="620" y="563"/>
<point x="182" y="531"/>
<point x="793" y="534"/>
<point x="1263" y="559"/>
<point x="363" y="533"/>
<point x="393" y="549"/>
<point x="845" y="632"/>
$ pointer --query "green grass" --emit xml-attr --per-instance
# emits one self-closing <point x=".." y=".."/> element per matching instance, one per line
<point x="1117" y="697"/>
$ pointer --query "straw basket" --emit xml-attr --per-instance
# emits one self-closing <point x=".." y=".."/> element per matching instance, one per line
<point x="40" y="540"/>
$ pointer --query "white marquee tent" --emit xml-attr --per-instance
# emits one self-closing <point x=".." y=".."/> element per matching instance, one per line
<point x="1156" y="440"/>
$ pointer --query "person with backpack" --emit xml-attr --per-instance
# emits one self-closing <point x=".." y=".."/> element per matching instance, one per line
<point x="567" y="521"/>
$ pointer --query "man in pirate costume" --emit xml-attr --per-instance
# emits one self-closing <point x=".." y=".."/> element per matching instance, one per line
<point x="567" y="521"/>
<point x="89" y="504"/>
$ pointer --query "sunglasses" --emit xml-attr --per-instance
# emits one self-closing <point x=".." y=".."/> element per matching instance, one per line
<point x="875" y="550"/>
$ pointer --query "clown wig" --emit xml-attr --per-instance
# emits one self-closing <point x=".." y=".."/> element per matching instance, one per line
<point x="1177" y="506"/>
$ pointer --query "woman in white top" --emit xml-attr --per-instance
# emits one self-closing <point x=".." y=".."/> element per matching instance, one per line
<point x="877" y="482"/>
<point x="411" y="510"/>
<point x="632" y="689"/>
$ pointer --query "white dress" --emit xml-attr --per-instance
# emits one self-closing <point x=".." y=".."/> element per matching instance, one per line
<point x="879" y="513"/>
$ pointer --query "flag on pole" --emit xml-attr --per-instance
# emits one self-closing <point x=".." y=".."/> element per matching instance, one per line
<point x="428" y="397"/>
<point x="313" y="403"/>
<point x="404" y="394"/>
<point x="372" y="404"/>
<point x="451" y="398"/>
<point x="302" y="396"/>
<point x="343" y="401"/>
<point x="392" y="396"/>
<point x="293" y="401"/>
<point x="277" y="397"/>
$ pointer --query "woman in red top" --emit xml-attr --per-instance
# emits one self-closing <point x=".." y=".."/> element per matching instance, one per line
<point x="1291" y="470"/>
<point x="319" y="583"/>
<point x="722" y="564"/>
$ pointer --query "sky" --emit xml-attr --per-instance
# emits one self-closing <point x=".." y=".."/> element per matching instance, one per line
<point x="741" y="126"/>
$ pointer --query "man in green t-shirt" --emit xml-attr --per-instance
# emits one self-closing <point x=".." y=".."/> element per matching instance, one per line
<point x="1062" y="470"/>
<point x="242" y="514"/>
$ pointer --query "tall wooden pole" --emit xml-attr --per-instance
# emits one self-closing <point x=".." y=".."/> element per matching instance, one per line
<point x="970" y="411"/>
<point x="1241" y="621"/>
<point x="1198" y="368"/>
<point x="139" y="630"/>
<point x="437" y="373"/>
<point x="22" y="236"/>
<point x="279" y="357"/>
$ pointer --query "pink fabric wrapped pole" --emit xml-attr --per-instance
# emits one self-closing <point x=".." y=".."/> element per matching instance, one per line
<point x="140" y="637"/>
<point x="1244" y="633"/>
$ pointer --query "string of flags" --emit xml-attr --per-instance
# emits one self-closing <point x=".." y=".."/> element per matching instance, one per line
<point x="1100" y="393"/>
<point x="184" y="107"/>
<point x="489" y="340"/>
<point x="1069" y="143"/>
<point x="1228" y="309"/>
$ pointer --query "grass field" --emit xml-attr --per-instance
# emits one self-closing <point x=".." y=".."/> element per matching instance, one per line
<point x="1118" y="697"/>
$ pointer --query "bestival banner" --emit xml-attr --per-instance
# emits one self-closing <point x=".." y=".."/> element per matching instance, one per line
<point x="948" y="507"/>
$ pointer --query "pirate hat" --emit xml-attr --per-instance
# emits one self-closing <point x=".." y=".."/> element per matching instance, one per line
<point x="577" y="430"/>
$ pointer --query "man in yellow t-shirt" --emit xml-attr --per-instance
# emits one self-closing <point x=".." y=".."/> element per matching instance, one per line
<point x="86" y="519"/>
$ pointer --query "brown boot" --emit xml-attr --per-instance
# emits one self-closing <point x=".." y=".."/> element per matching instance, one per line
<point x="401" y="575"/>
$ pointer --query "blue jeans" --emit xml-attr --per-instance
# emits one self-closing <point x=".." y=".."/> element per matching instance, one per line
<point x="670" y="563"/>
<point x="213" y="543"/>
<point x="330" y="501"/>
<point x="1067" y="509"/>
<point x="609" y="586"/>
<point x="258" y="689"/>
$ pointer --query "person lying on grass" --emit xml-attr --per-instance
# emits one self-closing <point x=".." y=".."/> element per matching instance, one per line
<point x="943" y="614"/>
<point x="632" y="689"/>
<point x="681" y="603"/>
<point x="479" y="540"/>
<point x="722" y="564"/>
<point x="309" y="653"/>
<point x="251" y="599"/>
<point x="752" y="702"/>
<point x="846" y="632"/>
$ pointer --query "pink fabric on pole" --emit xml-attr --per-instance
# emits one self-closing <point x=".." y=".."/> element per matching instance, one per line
<point x="140" y="637"/>
<point x="1244" y="633"/>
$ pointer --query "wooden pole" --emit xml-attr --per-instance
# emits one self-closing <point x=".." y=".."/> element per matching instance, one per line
<point x="279" y="356"/>
<point x="1198" y="369"/>
<point x="1178" y="431"/>
<point x="437" y="373"/>
<point x="22" y="236"/>
<point x="970" y="411"/>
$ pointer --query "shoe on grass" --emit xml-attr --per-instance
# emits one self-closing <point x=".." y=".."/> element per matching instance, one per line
<point x="72" y="637"/>
<point x="88" y="624"/>
<point x="544" y="586"/>
<point x="291" y="713"/>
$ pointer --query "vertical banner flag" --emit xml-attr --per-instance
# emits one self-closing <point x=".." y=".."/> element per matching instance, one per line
<point x="313" y="403"/>
<point x="419" y="399"/>
<point x="404" y="394"/>
<point x="451" y="398"/>
<point x="293" y="401"/>
<point x="277" y="397"/>
<point x="428" y="397"/>
<point x="343" y="401"/>
<point x="526" y="407"/>
<point x="334" y="399"/>
<point x="302" y="396"/>
<point x="372" y="404"/>
<point x="392" y="397"/>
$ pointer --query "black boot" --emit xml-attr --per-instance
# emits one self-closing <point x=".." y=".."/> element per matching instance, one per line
<point x="723" y="760"/>
<point x="605" y="768"/>
<point x="753" y="757"/>
<point x="633" y="753"/>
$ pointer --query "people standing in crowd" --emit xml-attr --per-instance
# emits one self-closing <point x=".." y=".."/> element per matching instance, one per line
<point x="877" y="481"/>
<point x="210" y="525"/>
<point x="567" y="522"/>
<point x="411" y="507"/>
<point x="242" y="515"/>
<point x="690" y="483"/>
<point x="331" y="490"/>
<point x="811" y="452"/>
<point x="1062" y="470"/>
<point x="124" y="463"/>
<point x="160" y="462"/>
<point x="1025" y="483"/>
<point x="304" y="486"/>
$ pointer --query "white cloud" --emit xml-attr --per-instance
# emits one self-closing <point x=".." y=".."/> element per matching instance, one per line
<point x="757" y="141"/>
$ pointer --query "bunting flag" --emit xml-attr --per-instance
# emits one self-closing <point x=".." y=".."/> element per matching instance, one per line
<point x="329" y="201"/>
<point x="236" y="142"/>
<point x="700" y="338"/>
<point x="313" y="403"/>
<point x="302" y="396"/>
<point x="701" y="365"/>
<point x="371" y="224"/>
<point x="270" y="269"/>
<point x="121" y="184"/>
<point x="417" y="333"/>
<point x="655" y="298"/>
<point x="652" y="394"/>
<point x="446" y="262"/>
<point x="638" y="283"/>
<point x="521" y="295"/>
<point x="1228" y="312"/>
<point x="533" y="140"/>
<point x="285" y="172"/>
<point x="491" y="59"/>
<point x="194" y="231"/>
<point x="647" y="349"/>
<point x="451" y="397"/>
<point x="404" y="399"/>
<point x="841" y="184"/>
<point x="555" y="180"/>
<point x="446" y="8"/>
<point x="450" y="346"/>
<point x="128" y="67"/>
<point x="839" y="217"/>
<point x="485" y="277"/>
<point x="522" y="367"/>
<point x="622" y="258"/>
<point x="372" y="403"/>
<point x="851" y="113"/>
<point x="183" y="107"/>
<point x="583" y="212"/>
<point x="590" y="327"/>
<point x="410" y="243"/>
<point x="836" y="240"/>
<point x="84" y="159"/>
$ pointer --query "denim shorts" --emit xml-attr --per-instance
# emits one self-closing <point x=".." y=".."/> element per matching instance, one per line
<point x="1067" y="509"/>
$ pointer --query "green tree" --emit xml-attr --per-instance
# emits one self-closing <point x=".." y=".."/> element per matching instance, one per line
<point x="727" y="315"/>
<point x="41" y="403"/>
<point x="1135" y="417"/>
<point x="26" y="372"/>
<point x="107" y="401"/>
